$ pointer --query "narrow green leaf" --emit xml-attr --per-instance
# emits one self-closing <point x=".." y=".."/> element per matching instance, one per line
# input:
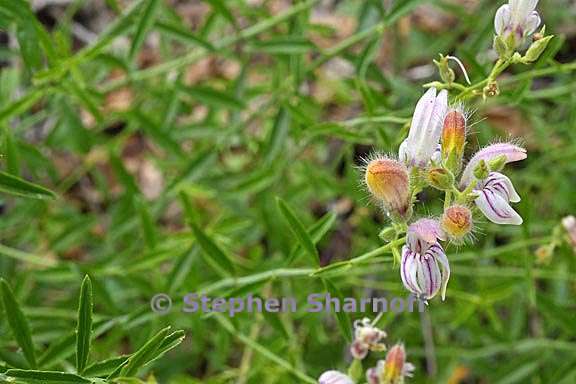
<point x="31" y="376"/>
<point x="214" y="255"/>
<point x="299" y="231"/>
<point x="144" y="24"/>
<point x="344" y="322"/>
<point x="183" y="35"/>
<point x="21" y="105"/>
<point x="289" y="45"/>
<point x="59" y="350"/>
<point x="105" y="367"/>
<point x="147" y="225"/>
<point x="143" y="355"/>
<point x="213" y="97"/>
<point x="84" y="328"/>
<point x="277" y="137"/>
<point x="14" y="185"/>
<point x="316" y="231"/>
<point x="18" y="323"/>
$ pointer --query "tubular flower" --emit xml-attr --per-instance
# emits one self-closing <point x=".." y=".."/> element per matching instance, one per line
<point x="388" y="181"/>
<point x="425" y="129"/>
<point x="334" y="377"/>
<point x="509" y="152"/>
<point x="366" y="338"/>
<point x="493" y="196"/>
<point x="425" y="269"/>
<point x="393" y="370"/>
<point x="517" y="20"/>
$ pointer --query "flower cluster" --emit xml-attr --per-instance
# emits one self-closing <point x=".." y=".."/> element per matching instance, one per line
<point x="432" y="155"/>
<point x="392" y="370"/>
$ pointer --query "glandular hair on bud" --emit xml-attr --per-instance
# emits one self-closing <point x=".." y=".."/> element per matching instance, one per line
<point x="388" y="181"/>
<point x="453" y="139"/>
<point x="457" y="222"/>
<point x="440" y="178"/>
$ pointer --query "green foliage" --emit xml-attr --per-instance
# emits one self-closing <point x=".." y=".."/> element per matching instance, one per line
<point x="212" y="148"/>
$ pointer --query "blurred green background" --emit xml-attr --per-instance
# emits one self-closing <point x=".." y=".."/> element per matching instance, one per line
<point x="169" y="128"/>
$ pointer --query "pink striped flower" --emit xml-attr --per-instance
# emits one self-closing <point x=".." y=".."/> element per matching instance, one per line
<point x="334" y="377"/>
<point x="425" y="129"/>
<point x="492" y="152"/>
<point x="425" y="269"/>
<point x="517" y="19"/>
<point x="494" y="195"/>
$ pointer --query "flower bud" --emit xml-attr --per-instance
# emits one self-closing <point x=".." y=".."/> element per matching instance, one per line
<point x="388" y="181"/>
<point x="440" y="178"/>
<point x="536" y="49"/>
<point x="395" y="367"/>
<point x="497" y="164"/>
<point x="457" y="222"/>
<point x="481" y="171"/>
<point x="334" y="377"/>
<point x="446" y="73"/>
<point x="453" y="139"/>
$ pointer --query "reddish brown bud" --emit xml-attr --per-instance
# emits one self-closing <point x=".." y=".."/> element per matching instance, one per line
<point x="389" y="182"/>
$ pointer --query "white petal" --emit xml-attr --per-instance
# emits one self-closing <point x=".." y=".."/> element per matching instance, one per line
<point x="334" y="377"/>
<point x="502" y="19"/>
<point x="501" y="185"/>
<point x="531" y="23"/>
<point x="440" y="255"/>
<point x="429" y="277"/>
<point x="521" y="9"/>
<point x="403" y="151"/>
<point x="496" y="208"/>
<point x="408" y="270"/>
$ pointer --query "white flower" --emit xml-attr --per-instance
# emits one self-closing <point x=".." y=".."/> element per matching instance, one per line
<point x="494" y="194"/>
<point x="366" y="338"/>
<point x="517" y="18"/>
<point x="334" y="377"/>
<point x="426" y="128"/>
<point x="425" y="269"/>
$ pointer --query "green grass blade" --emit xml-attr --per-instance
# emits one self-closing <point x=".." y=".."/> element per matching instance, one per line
<point x="31" y="376"/>
<point x="344" y="322"/>
<point x="14" y="185"/>
<point x="214" y="255"/>
<point x="299" y="231"/>
<point x="84" y="328"/>
<point x="18" y="323"/>
<point x="144" y="24"/>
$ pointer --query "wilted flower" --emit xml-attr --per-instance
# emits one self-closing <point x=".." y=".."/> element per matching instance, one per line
<point x="494" y="194"/>
<point x="366" y="338"/>
<point x="506" y="151"/>
<point x="425" y="268"/>
<point x="334" y="377"/>
<point x="516" y="20"/>
<point x="457" y="222"/>
<point x="388" y="181"/>
<point x="425" y="129"/>
<point x="393" y="370"/>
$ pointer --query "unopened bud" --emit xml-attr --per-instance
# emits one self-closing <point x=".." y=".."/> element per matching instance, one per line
<point x="395" y="367"/>
<point x="453" y="139"/>
<point x="501" y="48"/>
<point x="446" y="73"/>
<point x="497" y="164"/>
<point x="387" y="234"/>
<point x="536" y="49"/>
<point x="457" y="222"/>
<point x="481" y="171"/>
<point x="389" y="182"/>
<point x="440" y="178"/>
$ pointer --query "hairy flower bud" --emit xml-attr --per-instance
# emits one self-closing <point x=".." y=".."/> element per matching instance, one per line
<point x="457" y="222"/>
<point x="440" y="178"/>
<point x="393" y="370"/>
<point x="536" y="49"/>
<point x="453" y="139"/>
<point x="389" y="182"/>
